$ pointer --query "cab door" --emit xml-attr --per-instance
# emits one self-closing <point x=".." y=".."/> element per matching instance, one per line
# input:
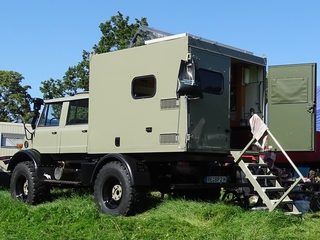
<point x="292" y="106"/>
<point x="47" y="134"/>
<point x="74" y="135"/>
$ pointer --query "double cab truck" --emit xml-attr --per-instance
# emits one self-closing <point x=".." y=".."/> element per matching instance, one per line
<point x="164" y="116"/>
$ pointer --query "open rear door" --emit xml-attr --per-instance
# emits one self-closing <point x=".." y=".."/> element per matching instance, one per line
<point x="291" y="106"/>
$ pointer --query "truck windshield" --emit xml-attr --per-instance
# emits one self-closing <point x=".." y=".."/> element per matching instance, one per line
<point x="51" y="115"/>
<point x="210" y="81"/>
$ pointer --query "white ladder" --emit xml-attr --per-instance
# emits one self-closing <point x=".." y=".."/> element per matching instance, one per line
<point x="274" y="195"/>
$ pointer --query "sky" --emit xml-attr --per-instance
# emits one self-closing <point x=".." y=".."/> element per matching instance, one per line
<point x="41" y="39"/>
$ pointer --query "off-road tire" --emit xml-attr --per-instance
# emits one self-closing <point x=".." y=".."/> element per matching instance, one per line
<point x="25" y="185"/>
<point x="232" y="196"/>
<point x="113" y="191"/>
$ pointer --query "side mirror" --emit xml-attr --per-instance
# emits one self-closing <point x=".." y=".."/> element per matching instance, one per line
<point x="37" y="103"/>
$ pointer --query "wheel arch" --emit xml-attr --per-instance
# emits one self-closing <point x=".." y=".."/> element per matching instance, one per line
<point x="137" y="176"/>
<point x="25" y="155"/>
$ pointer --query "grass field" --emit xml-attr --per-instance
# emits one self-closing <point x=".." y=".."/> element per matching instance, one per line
<point x="73" y="215"/>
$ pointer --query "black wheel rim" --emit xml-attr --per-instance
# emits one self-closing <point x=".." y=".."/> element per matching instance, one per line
<point x="231" y="197"/>
<point x="112" y="193"/>
<point x="22" y="188"/>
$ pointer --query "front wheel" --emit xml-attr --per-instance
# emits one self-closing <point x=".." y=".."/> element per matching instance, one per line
<point x="25" y="185"/>
<point x="113" y="192"/>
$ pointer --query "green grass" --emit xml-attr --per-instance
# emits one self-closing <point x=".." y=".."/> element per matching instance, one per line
<point x="73" y="215"/>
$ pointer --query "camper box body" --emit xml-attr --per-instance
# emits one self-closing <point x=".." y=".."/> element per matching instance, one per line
<point x="231" y="82"/>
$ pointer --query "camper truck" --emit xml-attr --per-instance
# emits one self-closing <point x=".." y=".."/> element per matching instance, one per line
<point x="173" y="116"/>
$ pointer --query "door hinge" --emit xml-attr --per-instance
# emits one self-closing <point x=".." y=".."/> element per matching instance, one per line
<point x="310" y="108"/>
<point x="188" y="137"/>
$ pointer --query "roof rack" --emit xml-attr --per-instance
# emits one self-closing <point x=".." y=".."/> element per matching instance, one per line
<point x="155" y="33"/>
<point x="159" y="36"/>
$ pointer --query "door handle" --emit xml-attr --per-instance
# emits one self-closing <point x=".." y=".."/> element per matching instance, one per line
<point x="84" y="131"/>
<point x="53" y="133"/>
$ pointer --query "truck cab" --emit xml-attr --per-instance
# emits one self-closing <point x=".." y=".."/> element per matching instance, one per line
<point x="63" y="124"/>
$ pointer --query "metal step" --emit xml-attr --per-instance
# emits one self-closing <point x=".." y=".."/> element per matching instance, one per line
<point x="273" y="189"/>
<point x="61" y="182"/>
<point x="286" y="201"/>
<point x="264" y="176"/>
<point x="263" y="165"/>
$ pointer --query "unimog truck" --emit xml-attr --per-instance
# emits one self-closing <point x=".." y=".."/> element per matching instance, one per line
<point x="166" y="116"/>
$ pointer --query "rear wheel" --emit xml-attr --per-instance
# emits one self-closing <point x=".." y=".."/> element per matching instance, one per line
<point x="113" y="192"/>
<point x="235" y="196"/>
<point x="25" y="185"/>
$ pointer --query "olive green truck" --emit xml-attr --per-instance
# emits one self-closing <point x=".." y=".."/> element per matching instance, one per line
<point x="165" y="116"/>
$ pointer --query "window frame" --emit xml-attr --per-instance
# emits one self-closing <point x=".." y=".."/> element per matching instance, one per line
<point x="11" y="137"/>
<point x="45" y="111"/>
<point x="199" y="79"/>
<point x="134" y="95"/>
<point x="75" y="119"/>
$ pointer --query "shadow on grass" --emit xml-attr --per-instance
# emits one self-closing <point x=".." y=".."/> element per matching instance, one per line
<point x="144" y="202"/>
<point x="4" y="180"/>
<point x="148" y="201"/>
<point x="197" y="195"/>
<point x="57" y="193"/>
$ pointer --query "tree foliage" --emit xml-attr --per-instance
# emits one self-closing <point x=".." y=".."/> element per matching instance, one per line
<point x="116" y="34"/>
<point x="14" y="98"/>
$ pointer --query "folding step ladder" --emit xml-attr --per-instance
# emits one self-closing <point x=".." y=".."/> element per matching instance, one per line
<point x="258" y="173"/>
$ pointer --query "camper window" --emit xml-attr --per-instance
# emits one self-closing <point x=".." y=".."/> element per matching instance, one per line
<point x="210" y="82"/>
<point x="143" y="87"/>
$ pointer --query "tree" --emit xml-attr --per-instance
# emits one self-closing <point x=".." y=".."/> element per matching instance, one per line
<point x="14" y="98"/>
<point x="53" y="88"/>
<point x="116" y="35"/>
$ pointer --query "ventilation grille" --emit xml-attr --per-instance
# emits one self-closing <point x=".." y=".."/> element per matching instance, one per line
<point x="170" y="103"/>
<point x="169" y="138"/>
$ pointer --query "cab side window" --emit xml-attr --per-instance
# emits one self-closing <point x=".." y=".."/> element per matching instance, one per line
<point x="78" y="112"/>
<point x="50" y="115"/>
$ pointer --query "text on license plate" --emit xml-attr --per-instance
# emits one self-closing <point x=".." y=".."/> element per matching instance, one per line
<point x="216" y="179"/>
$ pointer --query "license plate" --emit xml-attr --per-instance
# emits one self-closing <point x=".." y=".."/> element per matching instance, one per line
<point x="216" y="179"/>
